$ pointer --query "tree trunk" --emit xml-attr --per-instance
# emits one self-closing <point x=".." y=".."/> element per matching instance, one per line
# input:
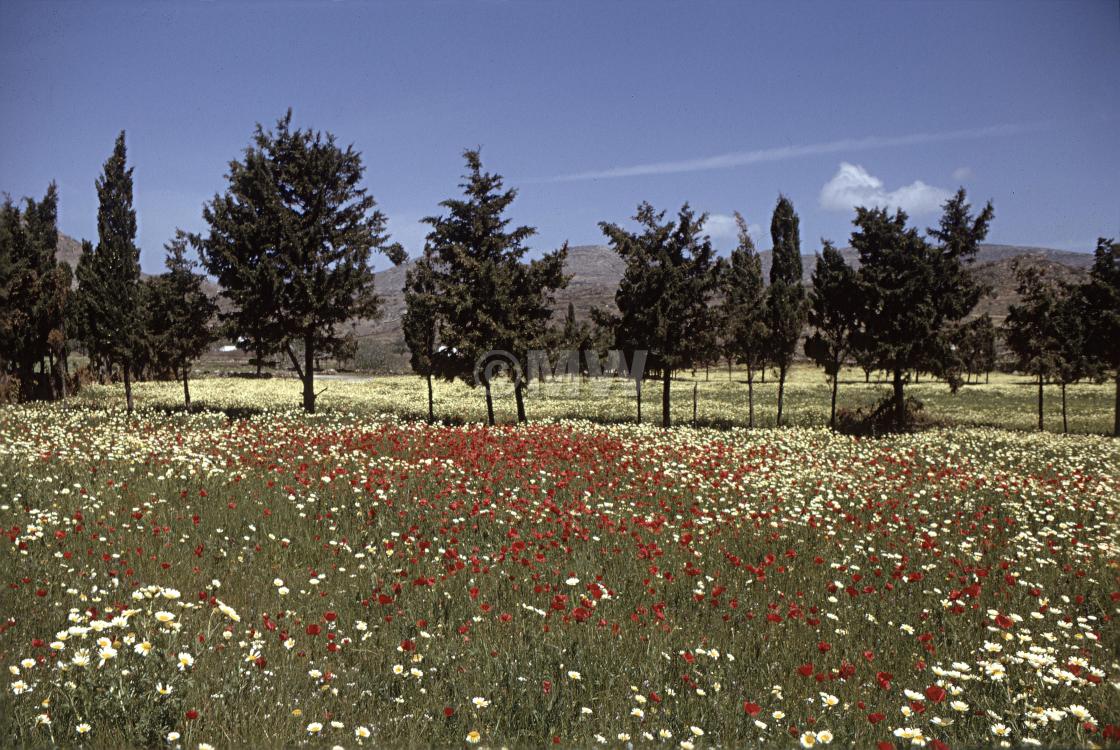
<point x="835" y="387"/>
<point x="186" y="388"/>
<point x="986" y="376"/>
<point x="729" y="369"/>
<point x="309" y="373"/>
<point x="1040" y="427"/>
<point x="1065" y="423"/>
<point x="638" y="391"/>
<point x="750" y="397"/>
<point x="128" y="385"/>
<point x="781" y="391"/>
<point x="763" y="375"/>
<point x="666" y="417"/>
<point x="431" y="403"/>
<point x="489" y="404"/>
<point x="695" y="386"/>
<point x="899" y="401"/>
<point x="519" y="398"/>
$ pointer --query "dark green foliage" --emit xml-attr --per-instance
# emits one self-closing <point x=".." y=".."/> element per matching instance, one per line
<point x="108" y="310"/>
<point x="785" y="297"/>
<point x="490" y="299"/>
<point x="663" y="297"/>
<point x="834" y="313"/>
<point x="913" y="292"/>
<point x="34" y="295"/>
<point x="975" y="346"/>
<point x="420" y="322"/>
<point x="1102" y="314"/>
<point x="290" y="242"/>
<point x="1072" y="360"/>
<point x="1030" y="329"/>
<point x="742" y="312"/>
<point x="179" y="314"/>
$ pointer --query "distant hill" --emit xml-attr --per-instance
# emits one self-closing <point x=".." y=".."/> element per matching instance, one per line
<point x="596" y="270"/>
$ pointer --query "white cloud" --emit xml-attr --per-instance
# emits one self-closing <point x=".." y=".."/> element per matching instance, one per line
<point x="783" y="153"/>
<point x="960" y="174"/>
<point x="852" y="186"/>
<point x="724" y="230"/>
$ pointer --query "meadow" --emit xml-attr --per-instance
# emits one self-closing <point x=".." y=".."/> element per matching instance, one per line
<point x="249" y="575"/>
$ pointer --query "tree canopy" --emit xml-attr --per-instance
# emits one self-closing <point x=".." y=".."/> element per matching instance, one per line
<point x="291" y="241"/>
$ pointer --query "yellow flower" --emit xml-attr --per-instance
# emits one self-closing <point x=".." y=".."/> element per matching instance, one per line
<point x="473" y="737"/>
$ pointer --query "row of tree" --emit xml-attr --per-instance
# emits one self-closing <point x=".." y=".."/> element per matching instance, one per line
<point x="291" y="238"/>
<point x="1065" y="332"/>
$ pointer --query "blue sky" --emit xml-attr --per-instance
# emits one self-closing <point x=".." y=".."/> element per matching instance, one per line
<point x="586" y="107"/>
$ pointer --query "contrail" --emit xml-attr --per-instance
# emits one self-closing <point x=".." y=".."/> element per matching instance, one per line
<point x="782" y="153"/>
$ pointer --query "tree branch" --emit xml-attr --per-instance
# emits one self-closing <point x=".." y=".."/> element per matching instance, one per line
<point x="295" y="361"/>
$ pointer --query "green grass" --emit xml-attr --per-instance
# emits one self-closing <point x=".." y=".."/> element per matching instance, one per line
<point x="1008" y="401"/>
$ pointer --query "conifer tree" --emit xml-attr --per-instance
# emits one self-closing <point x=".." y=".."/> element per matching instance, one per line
<point x="914" y="292"/>
<point x="490" y="300"/>
<point x="109" y="274"/>
<point x="180" y="313"/>
<point x="834" y="313"/>
<point x="742" y="312"/>
<point x="1030" y="328"/>
<point x="291" y="241"/>
<point x="1073" y="360"/>
<point x="664" y="295"/>
<point x="785" y="297"/>
<point x="975" y="343"/>
<point x="420" y="323"/>
<point x="1101" y="295"/>
<point x="34" y="292"/>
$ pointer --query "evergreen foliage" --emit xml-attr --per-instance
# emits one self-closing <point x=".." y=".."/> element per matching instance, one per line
<point x="108" y="313"/>
<point x="785" y="297"/>
<point x="290" y="242"/>
<point x="179" y="314"/>
<point x="34" y="296"/>
<point x="742" y="312"/>
<point x="664" y="296"/>
<point x="834" y="313"/>
<point x="493" y="306"/>
<point x="420" y="323"/>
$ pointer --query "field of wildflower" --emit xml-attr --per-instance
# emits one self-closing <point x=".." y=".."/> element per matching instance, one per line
<point x="247" y="575"/>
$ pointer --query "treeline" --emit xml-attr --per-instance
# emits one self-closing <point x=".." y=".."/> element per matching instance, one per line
<point x="291" y="237"/>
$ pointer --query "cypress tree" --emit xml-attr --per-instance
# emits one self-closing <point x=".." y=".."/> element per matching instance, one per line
<point x="1101" y="296"/>
<point x="420" y="323"/>
<point x="834" y="313"/>
<point x="34" y="293"/>
<point x="742" y="313"/>
<point x="663" y="297"/>
<point x="109" y="274"/>
<point x="492" y="304"/>
<point x="291" y="241"/>
<point x="785" y="297"/>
